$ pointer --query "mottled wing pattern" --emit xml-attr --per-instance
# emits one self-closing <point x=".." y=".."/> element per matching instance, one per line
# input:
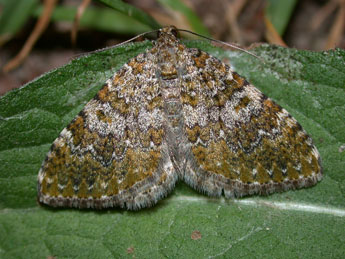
<point x="170" y="113"/>
<point x="113" y="154"/>
<point x="242" y="142"/>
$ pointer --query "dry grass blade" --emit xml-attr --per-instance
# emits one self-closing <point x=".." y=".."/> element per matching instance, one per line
<point x="338" y="28"/>
<point x="232" y="13"/>
<point x="272" y="35"/>
<point x="321" y="15"/>
<point x="80" y="11"/>
<point x="40" y="26"/>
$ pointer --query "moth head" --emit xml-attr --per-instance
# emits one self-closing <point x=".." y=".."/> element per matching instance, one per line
<point x="168" y="30"/>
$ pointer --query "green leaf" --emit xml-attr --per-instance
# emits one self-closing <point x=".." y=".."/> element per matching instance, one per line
<point x="279" y="13"/>
<point x="307" y="223"/>
<point x="14" y="15"/>
<point x="105" y="19"/>
<point x="132" y="11"/>
<point x="194" y="21"/>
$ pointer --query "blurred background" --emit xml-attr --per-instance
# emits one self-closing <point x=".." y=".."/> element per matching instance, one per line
<point x="39" y="35"/>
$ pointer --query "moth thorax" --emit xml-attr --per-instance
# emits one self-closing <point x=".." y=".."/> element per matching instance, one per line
<point x="167" y="64"/>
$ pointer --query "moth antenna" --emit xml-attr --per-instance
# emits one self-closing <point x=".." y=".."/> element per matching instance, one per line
<point x="135" y="37"/>
<point x="122" y="43"/>
<point x="222" y="42"/>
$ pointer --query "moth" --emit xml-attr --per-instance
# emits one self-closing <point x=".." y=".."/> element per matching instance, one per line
<point x="176" y="113"/>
